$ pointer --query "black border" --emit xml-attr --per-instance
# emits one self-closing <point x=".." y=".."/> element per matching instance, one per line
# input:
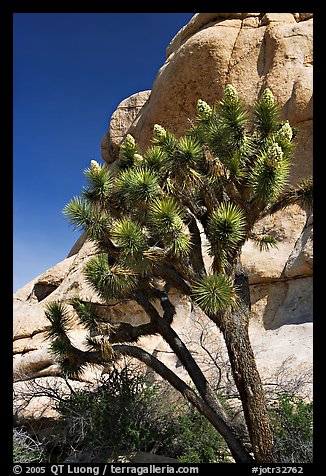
<point x="6" y="83"/>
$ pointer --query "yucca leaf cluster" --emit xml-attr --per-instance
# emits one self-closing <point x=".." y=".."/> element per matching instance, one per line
<point x="109" y="281"/>
<point x="226" y="229"/>
<point x="166" y="220"/>
<point x="148" y="218"/>
<point x="215" y="293"/>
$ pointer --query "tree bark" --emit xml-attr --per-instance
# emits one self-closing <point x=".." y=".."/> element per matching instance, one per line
<point x="234" y="326"/>
<point x="247" y="380"/>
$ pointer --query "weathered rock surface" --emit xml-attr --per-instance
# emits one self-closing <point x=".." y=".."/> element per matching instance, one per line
<point x="121" y="120"/>
<point x="300" y="262"/>
<point x="251" y="51"/>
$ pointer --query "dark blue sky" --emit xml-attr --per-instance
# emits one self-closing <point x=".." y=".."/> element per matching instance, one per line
<point x="71" y="70"/>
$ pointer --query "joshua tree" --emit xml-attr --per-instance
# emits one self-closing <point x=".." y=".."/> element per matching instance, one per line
<point x="228" y="171"/>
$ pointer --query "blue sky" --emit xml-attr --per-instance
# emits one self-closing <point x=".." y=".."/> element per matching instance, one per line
<point x="71" y="70"/>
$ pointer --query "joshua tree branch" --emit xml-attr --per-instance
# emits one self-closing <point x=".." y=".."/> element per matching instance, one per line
<point x="196" y="257"/>
<point x="123" y="332"/>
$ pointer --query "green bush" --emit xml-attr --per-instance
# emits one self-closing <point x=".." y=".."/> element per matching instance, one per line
<point x="197" y="441"/>
<point x="126" y="413"/>
<point x="292" y="419"/>
<point x="122" y="414"/>
<point x="25" y="448"/>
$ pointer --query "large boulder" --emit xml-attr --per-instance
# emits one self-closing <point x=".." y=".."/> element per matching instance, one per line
<point x="251" y="51"/>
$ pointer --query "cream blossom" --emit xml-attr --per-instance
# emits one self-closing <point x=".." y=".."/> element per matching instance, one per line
<point x="274" y="155"/>
<point x="203" y="109"/>
<point x="95" y="166"/>
<point x="268" y="97"/>
<point x="159" y="131"/>
<point x="285" y="133"/>
<point x="129" y="141"/>
<point x="230" y="94"/>
<point x="138" y="158"/>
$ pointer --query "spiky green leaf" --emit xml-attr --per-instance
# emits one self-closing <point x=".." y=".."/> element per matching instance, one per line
<point x="60" y="346"/>
<point x="167" y="141"/>
<point x="129" y="237"/>
<point x="73" y="369"/>
<point x="179" y="242"/>
<point x="87" y="313"/>
<point x="137" y="186"/>
<point x="165" y="215"/>
<point x="265" y="242"/>
<point x="233" y="117"/>
<point x="189" y="152"/>
<point x="269" y="175"/>
<point x="155" y="158"/>
<point x="205" y="121"/>
<point x="110" y="282"/>
<point x="77" y="212"/>
<point x="304" y="193"/>
<point x="100" y="183"/>
<point x="166" y="221"/>
<point x="58" y="315"/>
<point x="82" y="215"/>
<point x="266" y="114"/>
<point x="226" y="228"/>
<point x="131" y="241"/>
<point x="128" y="149"/>
<point x="214" y="293"/>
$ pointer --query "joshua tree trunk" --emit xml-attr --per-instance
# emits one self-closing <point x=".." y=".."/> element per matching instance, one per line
<point x="234" y="326"/>
<point x="248" y="383"/>
<point x="206" y="402"/>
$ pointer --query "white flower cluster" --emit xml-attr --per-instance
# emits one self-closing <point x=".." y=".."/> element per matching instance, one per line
<point x="138" y="159"/>
<point x="230" y="94"/>
<point x="203" y="109"/>
<point x="129" y="142"/>
<point x="285" y="133"/>
<point x="159" y="131"/>
<point x="268" y="97"/>
<point x="274" y="155"/>
<point x="95" y="166"/>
